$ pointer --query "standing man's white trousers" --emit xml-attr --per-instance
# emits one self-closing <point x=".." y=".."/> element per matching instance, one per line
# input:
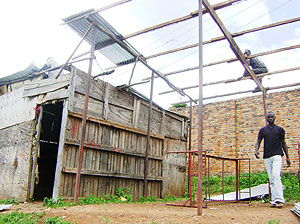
<point x="273" y="167"/>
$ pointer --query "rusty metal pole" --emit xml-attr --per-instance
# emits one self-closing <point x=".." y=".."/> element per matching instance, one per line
<point x="223" y="179"/>
<point x="250" y="178"/>
<point x="208" y="173"/>
<point x="236" y="180"/>
<point x="200" y="112"/>
<point x="84" y="116"/>
<point x="146" y="164"/>
<point x="190" y="155"/>
<point x="264" y="95"/>
<point x="299" y="164"/>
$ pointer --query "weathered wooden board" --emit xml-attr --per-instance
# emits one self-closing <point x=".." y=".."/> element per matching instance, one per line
<point x="56" y="95"/>
<point x="120" y="115"/>
<point x="44" y="87"/>
<point x="114" y="112"/>
<point x="15" y="157"/>
<point x="97" y="88"/>
<point x="173" y="127"/>
<point x="14" y="109"/>
<point x="95" y="107"/>
<point x="121" y="98"/>
<point x="174" y="168"/>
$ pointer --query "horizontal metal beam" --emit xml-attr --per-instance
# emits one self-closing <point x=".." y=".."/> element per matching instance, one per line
<point x="242" y="92"/>
<point x="235" y="80"/>
<point x="181" y="19"/>
<point x="216" y="39"/>
<point x="228" y="61"/>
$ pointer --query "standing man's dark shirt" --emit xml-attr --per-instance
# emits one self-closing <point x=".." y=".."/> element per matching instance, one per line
<point x="273" y="137"/>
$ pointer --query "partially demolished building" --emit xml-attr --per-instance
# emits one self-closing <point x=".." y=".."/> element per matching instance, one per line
<point x="40" y="124"/>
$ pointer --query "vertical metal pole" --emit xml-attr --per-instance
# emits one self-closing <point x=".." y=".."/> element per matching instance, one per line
<point x="193" y="180"/>
<point x="299" y="164"/>
<point x="223" y="179"/>
<point x="145" y="190"/>
<point x="84" y="116"/>
<point x="239" y="186"/>
<point x="264" y="95"/>
<point x="208" y="173"/>
<point x="249" y="179"/>
<point x="190" y="155"/>
<point x="236" y="180"/>
<point x="200" y="117"/>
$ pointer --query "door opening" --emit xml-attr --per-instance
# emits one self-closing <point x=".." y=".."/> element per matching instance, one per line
<point x="49" y="139"/>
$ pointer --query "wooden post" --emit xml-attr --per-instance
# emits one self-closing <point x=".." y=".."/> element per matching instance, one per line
<point x="106" y="97"/>
<point x="35" y="152"/>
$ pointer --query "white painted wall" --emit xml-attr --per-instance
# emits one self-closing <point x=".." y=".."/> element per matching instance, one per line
<point x="14" y="109"/>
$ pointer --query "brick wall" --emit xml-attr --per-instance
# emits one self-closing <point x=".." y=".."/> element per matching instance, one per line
<point x="230" y="128"/>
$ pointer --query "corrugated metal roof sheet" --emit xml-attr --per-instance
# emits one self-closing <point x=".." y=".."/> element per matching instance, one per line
<point x="114" y="52"/>
<point x="18" y="76"/>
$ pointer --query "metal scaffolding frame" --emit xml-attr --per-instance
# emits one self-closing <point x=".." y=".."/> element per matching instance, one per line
<point x="113" y="39"/>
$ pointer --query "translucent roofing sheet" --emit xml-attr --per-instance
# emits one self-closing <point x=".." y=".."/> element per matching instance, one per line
<point x="113" y="51"/>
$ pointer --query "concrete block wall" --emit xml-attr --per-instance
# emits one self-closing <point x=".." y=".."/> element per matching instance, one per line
<point x="230" y="128"/>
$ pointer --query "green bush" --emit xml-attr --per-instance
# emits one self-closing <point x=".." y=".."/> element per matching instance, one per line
<point x="291" y="186"/>
<point x="180" y="105"/>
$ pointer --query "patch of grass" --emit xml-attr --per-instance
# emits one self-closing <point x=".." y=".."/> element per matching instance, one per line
<point x="8" y="201"/>
<point x="50" y="202"/>
<point x="274" y="221"/>
<point x="21" y="218"/>
<point x="30" y="218"/>
<point x="56" y="220"/>
<point x="122" y="196"/>
<point x="106" y="220"/>
<point x="148" y="199"/>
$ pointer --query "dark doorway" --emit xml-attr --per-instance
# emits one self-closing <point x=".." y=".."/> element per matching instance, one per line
<point x="49" y="139"/>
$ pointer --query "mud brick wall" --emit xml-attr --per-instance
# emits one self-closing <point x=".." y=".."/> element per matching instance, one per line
<point x="230" y="128"/>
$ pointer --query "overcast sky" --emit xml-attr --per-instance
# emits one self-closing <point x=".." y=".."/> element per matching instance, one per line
<point x="32" y="32"/>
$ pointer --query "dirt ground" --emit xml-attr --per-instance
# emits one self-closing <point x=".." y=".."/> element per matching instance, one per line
<point x="256" y="212"/>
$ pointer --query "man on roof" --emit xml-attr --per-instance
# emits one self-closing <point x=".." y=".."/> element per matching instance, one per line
<point x="258" y="67"/>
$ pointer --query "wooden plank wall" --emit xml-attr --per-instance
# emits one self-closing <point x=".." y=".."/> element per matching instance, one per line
<point x="115" y="142"/>
<point x="113" y="157"/>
